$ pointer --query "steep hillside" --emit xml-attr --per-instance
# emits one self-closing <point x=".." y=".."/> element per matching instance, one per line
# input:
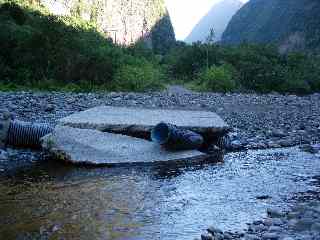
<point x="293" y="25"/>
<point x="125" y="21"/>
<point x="217" y="18"/>
<point x="41" y="50"/>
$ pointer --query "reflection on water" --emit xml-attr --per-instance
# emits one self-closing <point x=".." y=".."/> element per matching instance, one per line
<point x="51" y="200"/>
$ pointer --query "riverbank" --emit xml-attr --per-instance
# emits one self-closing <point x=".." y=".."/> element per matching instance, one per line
<point x="258" y="121"/>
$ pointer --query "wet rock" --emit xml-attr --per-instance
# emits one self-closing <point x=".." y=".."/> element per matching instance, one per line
<point x="206" y="236"/>
<point x="275" y="212"/>
<point x="263" y="197"/>
<point x="310" y="148"/>
<point x="236" y="145"/>
<point x="287" y="238"/>
<point x="3" y="155"/>
<point x="259" y="228"/>
<point x="213" y="230"/>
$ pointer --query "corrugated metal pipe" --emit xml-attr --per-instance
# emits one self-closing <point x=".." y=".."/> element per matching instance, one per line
<point x="23" y="134"/>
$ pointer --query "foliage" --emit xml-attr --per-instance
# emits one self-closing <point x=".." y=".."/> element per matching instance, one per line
<point x="137" y="78"/>
<point x="45" y="51"/>
<point x="255" y="67"/>
<point x="38" y="50"/>
<point x="217" y="78"/>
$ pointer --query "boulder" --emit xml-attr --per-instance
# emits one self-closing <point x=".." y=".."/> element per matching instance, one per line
<point x="89" y="146"/>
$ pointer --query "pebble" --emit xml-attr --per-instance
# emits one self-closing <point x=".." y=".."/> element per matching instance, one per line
<point x="316" y="227"/>
<point x="270" y="236"/>
<point x="274" y="212"/>
<point x="213" y="230"/>
<point x="206" y="236"/>
<point x="3" y="155"/>
<point x="274" y="229"/>
<point x="270" y="121"/>
<point x="260" y="121"/>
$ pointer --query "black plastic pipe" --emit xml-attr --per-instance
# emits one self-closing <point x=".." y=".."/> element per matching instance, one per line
<point x="25" y="134"/>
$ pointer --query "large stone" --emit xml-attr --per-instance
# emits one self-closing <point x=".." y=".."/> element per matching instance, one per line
<point x="139" y="122"/>
<point x="87" y="146"/>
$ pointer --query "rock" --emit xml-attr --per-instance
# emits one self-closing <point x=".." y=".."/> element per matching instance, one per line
<point x="135" y="121"/>
<point x="310" y="148"/>
<point x="270" y="236"/>
<point x="251" y="237"/>
<point x="315" y="227"/>
<point x="285" y="143"/>
<point x="236" y="145"/>
<point x="304" y="224"/>
<point x="213" y="230"/>
<point x="274" y="229"/>
<point x="49" y="108"/>
<point x="87" y="146"/>
<point x="274" y="213"/>
<point x="3" y="155"/>
<point x="259" y="228"/>
<point x="287" y="238"/>
<point x="278" y="133"/>
<point x="206" y="236"/>
<point x="263" y="197"/>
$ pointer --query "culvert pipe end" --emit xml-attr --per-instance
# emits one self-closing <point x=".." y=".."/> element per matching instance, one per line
<point x="25" y="134"/>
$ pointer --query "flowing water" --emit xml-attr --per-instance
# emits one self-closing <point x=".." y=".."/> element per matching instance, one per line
<point x="50" y="200"/>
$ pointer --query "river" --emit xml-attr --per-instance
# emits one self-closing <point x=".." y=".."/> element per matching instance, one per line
<point x="51" y="200"/>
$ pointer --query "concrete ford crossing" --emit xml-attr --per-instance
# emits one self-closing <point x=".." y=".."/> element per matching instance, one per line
<point x="111" y="136"/>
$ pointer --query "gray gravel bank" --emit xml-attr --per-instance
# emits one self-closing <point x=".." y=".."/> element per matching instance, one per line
<point x="259" y="121"/>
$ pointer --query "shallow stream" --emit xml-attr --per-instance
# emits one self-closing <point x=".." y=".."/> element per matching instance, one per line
<point x="50" y="200"/>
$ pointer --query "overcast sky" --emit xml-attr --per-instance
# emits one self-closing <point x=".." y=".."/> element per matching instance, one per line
<point x="185" y="14"/>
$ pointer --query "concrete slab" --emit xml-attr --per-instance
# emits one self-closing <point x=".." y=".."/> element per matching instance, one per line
<point x="87" y="146"/>
<point x="139" y="122"/>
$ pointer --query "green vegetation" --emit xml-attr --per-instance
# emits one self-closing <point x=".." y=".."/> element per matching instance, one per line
<point x="245" y="67"/>
<point x="39" y="50"/>
<point x="293" y="25"/>
<point x="47" y="52"/>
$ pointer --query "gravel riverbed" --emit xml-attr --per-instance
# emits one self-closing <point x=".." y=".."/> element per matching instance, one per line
<point x="258" y="122"/>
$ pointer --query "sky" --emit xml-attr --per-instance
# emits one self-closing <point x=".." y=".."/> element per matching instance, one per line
<point x="185" y="14"/>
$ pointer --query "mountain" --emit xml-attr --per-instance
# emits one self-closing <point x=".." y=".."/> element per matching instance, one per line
<point x="217" y="18"/>
<point x="292" y="25"/>
<point x="125" y="21"/>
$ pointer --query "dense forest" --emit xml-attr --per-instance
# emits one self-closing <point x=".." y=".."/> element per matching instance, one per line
<point x="43" y="51"/>
<point x="292" y="25"/>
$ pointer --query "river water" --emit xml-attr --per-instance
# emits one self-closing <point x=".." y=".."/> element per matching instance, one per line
<point x="50" y="200"/>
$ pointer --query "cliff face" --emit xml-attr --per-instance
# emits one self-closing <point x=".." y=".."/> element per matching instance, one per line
<point x="292" y="25"/>
<point x="125" y="21"/>
<point x="217" y="19"/>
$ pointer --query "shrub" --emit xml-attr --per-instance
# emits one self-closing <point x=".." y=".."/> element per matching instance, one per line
<point x="137" y="78"/>
<point x="218" y="78"/>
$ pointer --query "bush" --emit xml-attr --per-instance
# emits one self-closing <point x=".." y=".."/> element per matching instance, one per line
<point x="217" y="78"/>
<point x="137" y="78"/>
